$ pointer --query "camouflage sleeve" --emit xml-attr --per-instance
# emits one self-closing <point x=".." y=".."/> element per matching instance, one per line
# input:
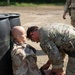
<point x="67" y="5"/>
<point x="53" y="53"/>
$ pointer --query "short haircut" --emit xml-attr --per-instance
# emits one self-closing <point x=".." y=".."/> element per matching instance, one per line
<point x="31" y="29"/>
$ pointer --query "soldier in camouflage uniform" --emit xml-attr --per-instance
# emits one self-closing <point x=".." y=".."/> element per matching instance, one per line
<point x="70" y="7"/>
<point x="56" y="40"/>
<point x="23" y="55"/>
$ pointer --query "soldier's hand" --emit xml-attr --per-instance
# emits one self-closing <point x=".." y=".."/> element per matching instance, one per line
<point x="46" y="66"/>
<point x="64" y="16"/>
<point x="60" y="73"/>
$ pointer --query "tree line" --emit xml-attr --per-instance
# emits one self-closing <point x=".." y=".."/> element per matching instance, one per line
<point x="36" y="1"/>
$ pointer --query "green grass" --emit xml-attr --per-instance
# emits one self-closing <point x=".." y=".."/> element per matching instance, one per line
<point x="30" y="4"/>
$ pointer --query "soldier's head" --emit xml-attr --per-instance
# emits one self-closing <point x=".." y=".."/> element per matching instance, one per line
<point x="18" y="34"/>
<point x="32" y="34"/>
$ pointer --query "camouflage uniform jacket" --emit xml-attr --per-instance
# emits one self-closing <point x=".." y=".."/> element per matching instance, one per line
<point x="69" y="4"/>
<point x="54" y="36"/>
<point x="24" y="60"/>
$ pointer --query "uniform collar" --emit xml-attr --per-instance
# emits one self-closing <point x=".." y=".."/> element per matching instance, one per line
<point x="21" y="44"/>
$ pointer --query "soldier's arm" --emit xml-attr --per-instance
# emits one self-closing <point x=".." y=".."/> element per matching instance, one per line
<point x="54" y="55"/>
<point x="67" y="5"/>
<point x="66" y="8"/>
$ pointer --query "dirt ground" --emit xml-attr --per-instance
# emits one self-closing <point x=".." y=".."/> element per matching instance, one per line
<point x="38" y="16"/>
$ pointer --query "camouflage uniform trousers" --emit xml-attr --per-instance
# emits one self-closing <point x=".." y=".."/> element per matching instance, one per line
<point x="70" y="70"/>
<point x="73" y="17"/>
<point x="70" y="66"/>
